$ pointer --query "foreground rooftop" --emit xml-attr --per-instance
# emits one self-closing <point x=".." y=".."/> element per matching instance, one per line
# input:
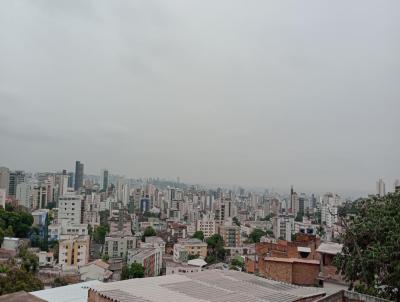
<point x="211" y="285"/>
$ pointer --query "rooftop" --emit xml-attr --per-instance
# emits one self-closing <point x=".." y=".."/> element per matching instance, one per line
<point x="20" y="296"/>
<point x="331" y="248"/>
<point x="211" y="285"/>
<point x="69" y="293"/>
<point x="292" y="260"/>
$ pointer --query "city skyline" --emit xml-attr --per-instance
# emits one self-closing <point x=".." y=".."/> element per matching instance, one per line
<point x="352" y="194"/>
<point x="253" y="95"/>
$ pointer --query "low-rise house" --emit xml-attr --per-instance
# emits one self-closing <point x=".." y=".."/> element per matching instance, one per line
<point x="327" y="252"/>
<point x="285" y="261"/>
<point x="156" y="242"/>
<point x="292" y="270"/>
<point x="189" y="247"/>
<point x="174" y="268"/>
<point x="11" y="243"/>
<point x="45" y="258"/>
<point x="95" y="270"/>
<point x="149" y="258"/>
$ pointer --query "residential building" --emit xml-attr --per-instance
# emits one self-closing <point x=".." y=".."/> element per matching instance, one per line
<point x="156" y="242"/>
<point x="149" y="258"/>
<point x="328" y="271"/>
<point x="39" y="197"/>
<point x="95" y="270"/>
<point x="230" y="234"/>
<point x="55" y="231"/>
<point x="285" y="260"/>
<point x="283" y="227"/>
<point x="24" y="195"/>
<point x="207" y="225"/>
<point x="380" y="188"/>
<point x="16" y="177"/>
<point x="73" y="252"/>
<point x="45" y="258"/>
<point x="189" y="247"/>
<point x="175" y="268"/>
<point x="3" y="198"/>
<point x="117" y="245"/>
<point x="11" y="243"/>
<point x="4" y="179"/>
<point x="40" y="221"/>
<point x="69" y="209"/>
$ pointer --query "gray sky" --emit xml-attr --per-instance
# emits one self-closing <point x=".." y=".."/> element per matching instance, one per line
<point x="266" y="93"/>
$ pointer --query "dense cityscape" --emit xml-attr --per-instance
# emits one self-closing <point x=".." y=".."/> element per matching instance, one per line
<point x="68" y="227"/>
<point x="199" y="151"/>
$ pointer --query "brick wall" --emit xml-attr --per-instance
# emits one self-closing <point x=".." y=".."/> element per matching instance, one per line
<point x="305" y="273"/>
<point x="250" y="265"/>
<point x="279" y="271"/>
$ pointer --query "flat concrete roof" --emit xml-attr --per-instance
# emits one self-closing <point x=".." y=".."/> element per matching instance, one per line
<point x="69" y="293"/>
<point x="331" y="248"/>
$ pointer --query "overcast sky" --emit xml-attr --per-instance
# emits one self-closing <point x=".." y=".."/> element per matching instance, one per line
<point x="263" y="93"/>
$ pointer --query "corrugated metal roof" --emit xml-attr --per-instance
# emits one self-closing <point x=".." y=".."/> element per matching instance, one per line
<point x="210" y="285"/>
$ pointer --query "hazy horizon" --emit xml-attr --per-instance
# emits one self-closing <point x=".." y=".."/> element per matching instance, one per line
<point x="263" y="94"/>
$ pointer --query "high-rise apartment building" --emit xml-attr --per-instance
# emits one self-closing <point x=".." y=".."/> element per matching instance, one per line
<point x="3" y="198"/>
<point x="380" y="188"/>
<point x="24" y="195"/>
<point x="71" y="180"/>
<point x="397" y="185"/>
<point x="69" y="209"/>
<point x="16" y="177"/>
<point x="104" y="178"/>
<point x="4" y="178"/>
<point x="78" y="175"/>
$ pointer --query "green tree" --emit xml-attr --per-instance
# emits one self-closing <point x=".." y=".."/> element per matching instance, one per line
<point x="19" y="221"/>
<point x="299" y="216"/>
<point x="125" y="272"/>
<point x="1" y="236"/>
<point x="104" y="217"/>
<point x="148" y="232"/>
<point x="16" y="279"/>
<point x="198" y="235"/>
<point x="30" y="262"/>
<point x="135" y="270"/>
<point x="90" y="230"/>
<point x="59" y="281"/>
<point x="191" y="257"/>
<point x="238" y="262"/>
<point x="370" y="258"/>
<point x="100" y="233"/>
<point x="9" y="232"/>
<point x="216" y="251"/>
<point x="256" y="235"/>
<point x="236" y="221"/>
